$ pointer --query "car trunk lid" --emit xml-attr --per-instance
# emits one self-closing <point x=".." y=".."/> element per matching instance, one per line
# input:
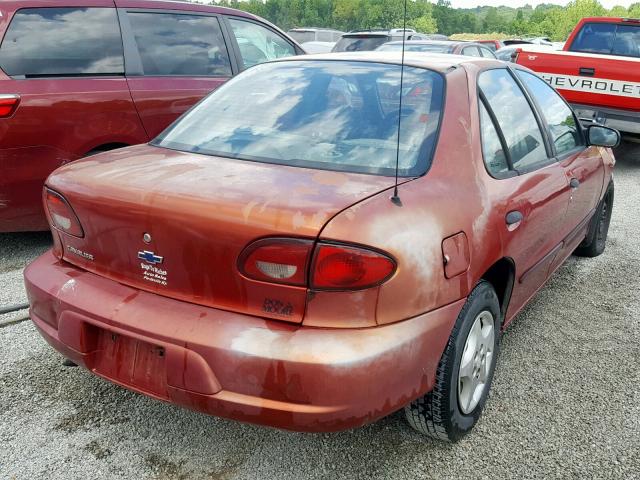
<point x="175" y="223"/>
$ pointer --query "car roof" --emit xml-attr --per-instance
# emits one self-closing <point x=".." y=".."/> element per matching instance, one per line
<point x="440" y="62"/>
<point x="448" y="43"/>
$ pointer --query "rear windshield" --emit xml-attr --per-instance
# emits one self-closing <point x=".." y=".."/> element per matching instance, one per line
<point x="423" y="47"/>
<point x="608" y="39"/>
<point x="360" y="44"/>
<point x="333" y="115"/>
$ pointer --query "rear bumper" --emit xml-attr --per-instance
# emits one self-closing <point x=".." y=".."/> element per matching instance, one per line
<point x="233" y="365"/>
<point x="622" y="120"/>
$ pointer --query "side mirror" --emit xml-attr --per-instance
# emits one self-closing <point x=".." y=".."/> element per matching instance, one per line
<point x="603" y="136"/>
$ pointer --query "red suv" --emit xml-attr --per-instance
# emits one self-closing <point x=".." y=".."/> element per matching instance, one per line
<point x="79" y="77"/>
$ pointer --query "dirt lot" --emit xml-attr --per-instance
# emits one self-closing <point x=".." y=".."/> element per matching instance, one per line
<point x="565" y="401"/>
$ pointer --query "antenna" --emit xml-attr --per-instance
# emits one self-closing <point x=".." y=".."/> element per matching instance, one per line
<point x="396" y="198"/>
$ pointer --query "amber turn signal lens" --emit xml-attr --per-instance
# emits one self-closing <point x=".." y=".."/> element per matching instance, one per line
<point x="62" y="215"/>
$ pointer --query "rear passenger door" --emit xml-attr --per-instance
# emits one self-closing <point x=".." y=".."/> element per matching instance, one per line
<point x="66" y="64"/>
<point x="582" y="166"/>
<point x="174" y="58"/>
<point x="530" y="186"/>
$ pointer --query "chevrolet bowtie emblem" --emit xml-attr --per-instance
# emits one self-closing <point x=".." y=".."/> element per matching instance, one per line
<point x="150" y="257"/>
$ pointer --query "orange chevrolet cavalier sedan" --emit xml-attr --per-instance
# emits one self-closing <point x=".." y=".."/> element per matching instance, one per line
<point x="254" y="261"/>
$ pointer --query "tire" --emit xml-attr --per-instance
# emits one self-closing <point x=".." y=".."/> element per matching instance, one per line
<point x="596" y="239"/>
<point x="440" y="413"/>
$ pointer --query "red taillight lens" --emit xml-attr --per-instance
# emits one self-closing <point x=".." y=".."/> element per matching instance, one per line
<point x="277" y="260"/>
<point x="341" y="267"/>
<point x="8" y="105"/>
<point x="62" y="216"/>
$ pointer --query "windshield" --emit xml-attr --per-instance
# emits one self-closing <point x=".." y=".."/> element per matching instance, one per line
<point x="408" y="47"/>
<point x="360" y="44"/>
<point x="334" y="115"/>
<point x="302" y="36"/>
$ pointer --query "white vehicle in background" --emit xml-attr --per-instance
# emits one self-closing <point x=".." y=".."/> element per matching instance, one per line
<point x="317" y="47"/>
<point x="313" y="34"/>
<point x="507" y="54"/>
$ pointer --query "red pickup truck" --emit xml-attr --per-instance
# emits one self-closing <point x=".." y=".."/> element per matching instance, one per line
<point x="598" y="71"/>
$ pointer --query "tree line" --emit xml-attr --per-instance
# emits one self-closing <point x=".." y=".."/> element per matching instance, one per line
<point x="547" y="20"/>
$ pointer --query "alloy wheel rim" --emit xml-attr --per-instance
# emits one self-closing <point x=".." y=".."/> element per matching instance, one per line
<point x="476" y="361"/>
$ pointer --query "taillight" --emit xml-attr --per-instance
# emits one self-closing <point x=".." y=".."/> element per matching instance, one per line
<point x="277" y="260"/>
<point x="342" y="267"/>
<point x="62" y="215"/>
<point x="8" y="105"/>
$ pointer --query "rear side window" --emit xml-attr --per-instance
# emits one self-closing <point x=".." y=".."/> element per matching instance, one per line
<point x="63" y="42"/>
<point x="486" y="53"/>
<point x="471" y="51"/>
<point x="177" y="44"/>
<point x="518" y="124"/>
<point x="258" y="44"/>
<point x="563" y="127"/>
<point x="608" y="39"/>
<point x="494" y="156"/>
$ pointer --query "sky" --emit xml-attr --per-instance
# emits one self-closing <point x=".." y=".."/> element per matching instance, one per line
<point x="533" y="3"/>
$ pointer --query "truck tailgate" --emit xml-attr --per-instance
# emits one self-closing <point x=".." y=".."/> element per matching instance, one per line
<point x="589" y="79"/>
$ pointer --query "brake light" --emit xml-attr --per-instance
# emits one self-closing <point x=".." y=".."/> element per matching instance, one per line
<point x="277" y="260"/>
<point x="8" y="105"/>
<point x="62" y="215"/>
<point x="341" y="267"/>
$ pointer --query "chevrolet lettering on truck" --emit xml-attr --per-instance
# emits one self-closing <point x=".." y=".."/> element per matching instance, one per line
<point x="598" y="71"/>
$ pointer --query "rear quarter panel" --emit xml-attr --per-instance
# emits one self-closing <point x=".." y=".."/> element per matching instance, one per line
<point x="452" y="197"/>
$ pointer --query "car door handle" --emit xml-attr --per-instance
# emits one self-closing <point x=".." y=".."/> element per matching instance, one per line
<point x="513" y="218"/>
<point x="574" y="183"/>
<point x="587" y="71"/>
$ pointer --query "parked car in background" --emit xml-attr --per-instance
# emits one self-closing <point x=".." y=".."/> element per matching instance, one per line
<point x="598" y="71"/>
<point x="304" y="35"/>
<point x="508" y="53"/>
<point x="371" y="39"/>
<point x="255" y="261"/>
<point x="439" y="46"/>
<point x="318" y="47"/>
<point x="83" y="76"/>
<point x="493" y="45"/>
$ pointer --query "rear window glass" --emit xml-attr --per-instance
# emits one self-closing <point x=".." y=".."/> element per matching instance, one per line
<point x="177" y="44"/>
<point x="359" y="44"/>
<point x="608" y="39"/>
<point x="63" y="42"/>
<point x="319" y="114"/>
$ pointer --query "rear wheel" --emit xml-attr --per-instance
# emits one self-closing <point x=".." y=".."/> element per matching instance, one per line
<point x="596" y="240"/>
<point x="465" y="371"/>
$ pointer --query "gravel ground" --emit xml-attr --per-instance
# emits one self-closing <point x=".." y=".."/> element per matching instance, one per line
<point x="565" y="401"/>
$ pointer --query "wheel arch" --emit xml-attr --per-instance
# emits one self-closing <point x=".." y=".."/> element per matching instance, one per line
<point x="501" y="275"/>
<point x="105" y="147"/>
